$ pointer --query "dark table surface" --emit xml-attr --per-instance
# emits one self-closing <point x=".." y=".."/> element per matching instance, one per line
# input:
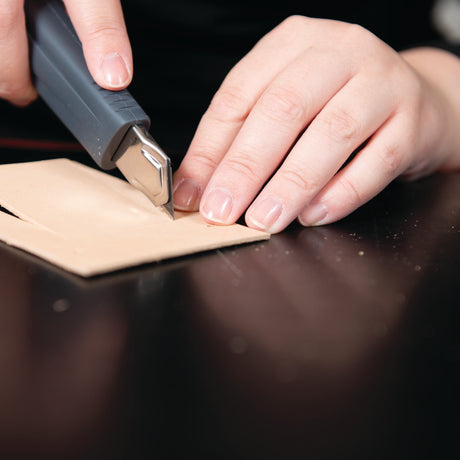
<point x="338" y="342"/>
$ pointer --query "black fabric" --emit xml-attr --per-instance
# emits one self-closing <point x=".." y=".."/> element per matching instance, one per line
<point x="183" y="49"/>
<point x="241" y="22"/>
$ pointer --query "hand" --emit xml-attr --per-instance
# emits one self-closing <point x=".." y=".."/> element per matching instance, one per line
<point x="290" y="114"/>
<point x="101" y="28"/>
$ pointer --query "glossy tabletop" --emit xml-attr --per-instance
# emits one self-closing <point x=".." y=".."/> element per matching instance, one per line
<point x="335" y="342"/>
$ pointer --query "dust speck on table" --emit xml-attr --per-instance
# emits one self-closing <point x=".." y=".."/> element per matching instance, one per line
<point x="60" y="305"/>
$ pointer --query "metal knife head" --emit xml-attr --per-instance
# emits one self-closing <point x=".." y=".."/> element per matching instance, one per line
<point x="147" y="167"/>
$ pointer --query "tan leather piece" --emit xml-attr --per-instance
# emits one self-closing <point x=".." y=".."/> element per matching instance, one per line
<point x="89" y="222"/>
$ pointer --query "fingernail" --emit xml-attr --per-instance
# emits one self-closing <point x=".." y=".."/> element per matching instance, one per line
<point x="186" y="195"/>
<point x="313" y="215"/>
<point x="115" y="70"/>
<point x="217" y="206"/>
<point x="265" y="214"/>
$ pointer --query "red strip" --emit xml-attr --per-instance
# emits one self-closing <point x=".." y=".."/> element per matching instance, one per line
<point x="37" y="144"/>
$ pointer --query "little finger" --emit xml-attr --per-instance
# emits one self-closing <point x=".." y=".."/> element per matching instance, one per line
<point x="383" y="159"/>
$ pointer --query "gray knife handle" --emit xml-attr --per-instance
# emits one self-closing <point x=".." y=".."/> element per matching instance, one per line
<point x="98" y="118"/>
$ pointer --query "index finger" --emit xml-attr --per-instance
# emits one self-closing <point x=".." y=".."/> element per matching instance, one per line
<point x="101" y="28"/>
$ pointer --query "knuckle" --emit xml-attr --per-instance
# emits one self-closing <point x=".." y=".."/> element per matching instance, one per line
<point x="351" y="192"/>
<point x="203" y="158"/>
<point x="340" y="126"/>
<point x="229" y="105"/>
<point x="282" y="104"/>
<point x="290" y="30"/>
<point x="244" y="165"/>
<point x="295" y="178"/>
<point x="391" y="159"/>
<point x="293" y="22"/>
<point x="104" y="29"/>
<point x="354" y="33"/>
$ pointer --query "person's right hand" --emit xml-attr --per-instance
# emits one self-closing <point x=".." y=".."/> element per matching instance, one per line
<point x="101" y="29"/>
<point x="314" y="122"/>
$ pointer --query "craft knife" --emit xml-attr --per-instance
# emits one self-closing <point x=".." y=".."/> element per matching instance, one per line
<point x="110" y="125"/>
